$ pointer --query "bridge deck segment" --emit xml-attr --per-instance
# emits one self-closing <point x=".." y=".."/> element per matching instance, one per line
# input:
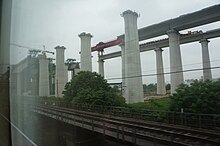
<point x="198" y="18"/>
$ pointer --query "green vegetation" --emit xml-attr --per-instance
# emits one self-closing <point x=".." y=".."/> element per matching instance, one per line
<point x="153" y="104"/>
<point x="199" y="97"/>
<point x="92" y="89"/>
<point x="168" y="86"/>
<point x="150" y="88"/>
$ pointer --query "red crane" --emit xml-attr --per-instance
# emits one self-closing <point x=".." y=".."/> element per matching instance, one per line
<point x="101" y="45"/>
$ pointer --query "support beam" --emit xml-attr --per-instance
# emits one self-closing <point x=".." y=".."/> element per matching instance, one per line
<point x="86" y="60"/>
<point x="165" y="42"/>
<point x="133" y="77"/>
<point x="61" y="71"/>
<point x="43" y="76"/>
<point x="207" y="75"/>
<point x="175" y="60"/>
<point x="161" y="88"/>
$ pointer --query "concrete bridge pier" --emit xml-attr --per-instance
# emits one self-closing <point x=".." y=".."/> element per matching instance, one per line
<point x="175" y="60"/>
<point x="43" y="75"/>
<point x="101" y="64"/>
<point x="19" y="83"/>
<point x="133" y="76"/>
<point x="123" y="68"/>
<point x="76" y="71"/>
<point x="207" y="74"/>
<point x="161" y="88"/>
<point x="35" y="84"/>
<point x="25" y="82"/>
<point x="61" y="71"/>
<point x="85" y="58"/>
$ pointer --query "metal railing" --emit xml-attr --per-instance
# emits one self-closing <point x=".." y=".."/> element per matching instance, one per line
<point x="204" y="121"/>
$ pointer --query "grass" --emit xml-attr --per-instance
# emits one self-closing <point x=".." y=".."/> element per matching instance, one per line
<point x="153" y="104"/>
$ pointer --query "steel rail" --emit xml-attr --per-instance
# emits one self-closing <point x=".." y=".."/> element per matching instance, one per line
<point x="192" y="136"/>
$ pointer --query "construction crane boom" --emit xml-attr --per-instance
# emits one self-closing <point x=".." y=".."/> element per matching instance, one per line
<point x="48" y="52"/>
<point x="32" y="51"/>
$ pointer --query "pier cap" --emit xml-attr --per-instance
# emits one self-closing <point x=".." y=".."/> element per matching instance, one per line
<point x="60" y="47"/>
<point x="130" y="12"/>
<point x="85" y="34"/>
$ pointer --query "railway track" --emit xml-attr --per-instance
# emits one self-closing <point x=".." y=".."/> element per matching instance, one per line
<point x="132" y="130"/>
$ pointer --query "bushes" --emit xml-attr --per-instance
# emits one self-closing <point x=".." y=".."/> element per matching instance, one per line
<point x="153" y="104"/>
<point x="199" y="97"/>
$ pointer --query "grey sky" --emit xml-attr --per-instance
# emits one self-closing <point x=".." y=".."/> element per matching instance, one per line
<point x="54" y="22"/>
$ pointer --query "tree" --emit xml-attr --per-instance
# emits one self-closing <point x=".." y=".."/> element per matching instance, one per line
<point x="91" y="88"/>
<point x="150" y="87"/>
<point x="199" y="97"/>
<point x="167" y="86"/>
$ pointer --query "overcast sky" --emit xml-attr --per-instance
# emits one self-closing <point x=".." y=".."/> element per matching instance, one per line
<point x="58" y="22"/>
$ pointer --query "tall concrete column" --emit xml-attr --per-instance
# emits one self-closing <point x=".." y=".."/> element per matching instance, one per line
<point x="101" y="64"/>
<point x="61" y="73"/>
<point x="133" y="76"/>
<point x="207" y="75"/>
<point x="77" y="70"/>
<point x="86" y="60"/>
<point x="123" y="67"/>
<point x="161" y="88"/>
<point x="43" y="76"/>
<point x="18" y="84"/>
<point x="35" y="85"/>
<point x="175" y="60"/>
<point x="26" y="80"/>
